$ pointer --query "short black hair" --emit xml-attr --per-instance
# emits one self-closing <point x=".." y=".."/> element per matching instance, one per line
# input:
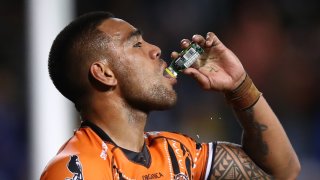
<point x="73" y="45"/>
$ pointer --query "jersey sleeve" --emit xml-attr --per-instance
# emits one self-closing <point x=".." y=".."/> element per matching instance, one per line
<point x="84" y="156"/>
<point x="203" y="160"/>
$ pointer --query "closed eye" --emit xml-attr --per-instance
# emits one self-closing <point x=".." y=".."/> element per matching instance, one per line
<point x="138" y="44"/>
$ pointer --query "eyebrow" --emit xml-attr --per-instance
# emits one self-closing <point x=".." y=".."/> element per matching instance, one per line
<point x="134" y="33"/>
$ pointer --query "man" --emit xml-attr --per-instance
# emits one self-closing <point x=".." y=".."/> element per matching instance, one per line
<point x="115" y="79"/>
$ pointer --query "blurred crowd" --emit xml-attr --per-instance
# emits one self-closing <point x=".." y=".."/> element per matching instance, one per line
<point x="277" y="41"/>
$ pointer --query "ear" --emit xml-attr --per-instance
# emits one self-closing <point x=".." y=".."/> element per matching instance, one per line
<point x="101" y="72"/>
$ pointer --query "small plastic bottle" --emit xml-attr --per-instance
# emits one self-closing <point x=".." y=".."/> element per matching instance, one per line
<point x="186" y="58"/>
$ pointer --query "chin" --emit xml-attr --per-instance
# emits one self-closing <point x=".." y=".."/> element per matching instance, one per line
<point x="160" y="103"/>
<point x="154" y="98"/>
<point x="164" y="106"/>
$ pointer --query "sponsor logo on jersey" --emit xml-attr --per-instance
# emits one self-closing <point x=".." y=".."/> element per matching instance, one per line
<point x="152" y="176"/>
<point x="75" y="167"/>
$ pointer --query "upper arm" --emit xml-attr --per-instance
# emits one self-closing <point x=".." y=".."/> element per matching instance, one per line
<point x="231" y="162"/>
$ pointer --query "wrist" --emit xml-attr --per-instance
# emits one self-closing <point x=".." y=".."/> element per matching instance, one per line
<point x="244" y="96"/>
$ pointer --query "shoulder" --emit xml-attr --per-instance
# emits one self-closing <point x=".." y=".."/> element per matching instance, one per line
<point x="180" y="145"/>
<point x="76" y="165"/>
<point x="182" y="139"/>
<point x="170" y="136"/>
<point x="80" y="156"/>
<point x="166" y="134"/>
<point x="63" y="165"/>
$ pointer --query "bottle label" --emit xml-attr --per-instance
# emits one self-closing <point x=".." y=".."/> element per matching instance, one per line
<point x="190" y="57"/>
<point x="186" y="59"/>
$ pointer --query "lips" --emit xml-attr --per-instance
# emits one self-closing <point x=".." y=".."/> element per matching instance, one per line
<point x="166" y="75"/>
<point x="171" y="79"/>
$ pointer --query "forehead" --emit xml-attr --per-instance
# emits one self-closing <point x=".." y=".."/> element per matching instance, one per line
<point x="117" y="29"/>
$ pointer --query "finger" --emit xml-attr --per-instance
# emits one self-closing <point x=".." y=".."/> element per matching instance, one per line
<point x="199" y="39"/>
<point x="209" y="39"/>
<point x="199" y="77"/>
<point x="212" y="40"/>
<point x="184" y="43"/>
<point x="174" y="55"/>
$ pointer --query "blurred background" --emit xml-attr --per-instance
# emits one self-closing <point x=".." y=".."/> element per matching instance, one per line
<point x="277" y="41"/>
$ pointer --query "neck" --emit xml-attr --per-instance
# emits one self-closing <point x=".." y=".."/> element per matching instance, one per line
<point x="123" y="124"/>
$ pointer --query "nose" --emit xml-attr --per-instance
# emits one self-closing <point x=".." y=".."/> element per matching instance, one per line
<point x="155" y="52"/>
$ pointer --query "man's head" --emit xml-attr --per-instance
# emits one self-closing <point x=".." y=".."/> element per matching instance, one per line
<point x="100" y="54"/>
<point x="74" y="48"/>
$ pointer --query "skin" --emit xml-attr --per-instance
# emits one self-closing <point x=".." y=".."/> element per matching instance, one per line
<point x="265" y="149"/>
<point x="264" y="139"/>
<point x="126" y="105"/>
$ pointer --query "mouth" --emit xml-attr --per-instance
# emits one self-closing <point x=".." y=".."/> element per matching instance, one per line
<point x="167" y="75"/>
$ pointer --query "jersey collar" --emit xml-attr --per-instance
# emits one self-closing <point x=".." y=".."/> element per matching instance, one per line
<point x="142" y="158"/>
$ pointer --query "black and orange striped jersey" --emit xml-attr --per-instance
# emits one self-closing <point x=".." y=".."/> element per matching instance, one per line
<point x="91" y="155"/>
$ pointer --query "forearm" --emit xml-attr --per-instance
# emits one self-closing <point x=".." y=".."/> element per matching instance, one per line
<point x="266" y="142"/>
<point x="264" y="139"/>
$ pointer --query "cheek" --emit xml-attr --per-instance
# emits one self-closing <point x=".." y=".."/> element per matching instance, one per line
<point x="142" y="71"/>
<point x="135" y="68"/>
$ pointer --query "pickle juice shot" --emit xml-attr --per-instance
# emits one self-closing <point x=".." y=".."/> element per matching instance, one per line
<point x="186" y="58"/>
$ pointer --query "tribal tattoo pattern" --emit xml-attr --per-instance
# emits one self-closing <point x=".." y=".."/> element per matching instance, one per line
<point x="231" y="162"/>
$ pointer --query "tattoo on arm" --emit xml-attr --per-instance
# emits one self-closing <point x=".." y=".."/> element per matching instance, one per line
<point x="231" y="162"/>
<point x="261" y="143"/>
<point x="255" y="136"/>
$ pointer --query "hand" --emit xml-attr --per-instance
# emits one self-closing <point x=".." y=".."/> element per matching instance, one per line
<point x="217" y="68"/>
